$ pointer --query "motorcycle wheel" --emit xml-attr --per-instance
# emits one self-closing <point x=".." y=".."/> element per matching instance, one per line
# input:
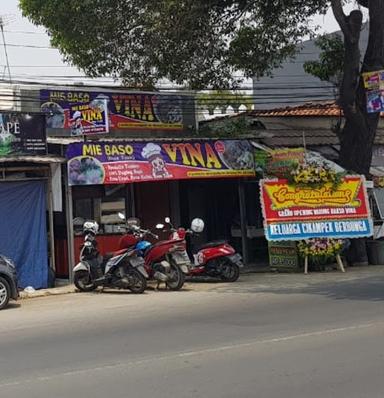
<point x="138" y="281"/>
<point x="5" y="293"/>
<point x="230" y="272"/>
<point x="177" y="278"/>
<point x="83" y="281"/>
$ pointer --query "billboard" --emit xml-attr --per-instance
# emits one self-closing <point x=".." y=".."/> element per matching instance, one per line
<point x="103" y="111"/>
<point x="295" y="213"/>
<point x="22" y="134"/>
<point x="125" y="162"/>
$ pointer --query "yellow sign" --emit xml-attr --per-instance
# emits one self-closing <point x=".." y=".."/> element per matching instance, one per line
<point x="285" y="196"/>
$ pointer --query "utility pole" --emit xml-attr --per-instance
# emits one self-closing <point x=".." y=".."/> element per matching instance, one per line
<point x="4" y="21"/>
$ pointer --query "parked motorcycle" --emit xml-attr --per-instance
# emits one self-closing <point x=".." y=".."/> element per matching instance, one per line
<point x="165" y="261"/>
<point x="215" y="259"/>
<point x="123" y="269"/>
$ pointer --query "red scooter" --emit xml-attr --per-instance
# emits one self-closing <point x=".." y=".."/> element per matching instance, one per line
<point x="165" y="261"/>
<point x="215" y="259"/>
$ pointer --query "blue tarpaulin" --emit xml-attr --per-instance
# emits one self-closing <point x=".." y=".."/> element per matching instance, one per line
<point x="23" y="230"/>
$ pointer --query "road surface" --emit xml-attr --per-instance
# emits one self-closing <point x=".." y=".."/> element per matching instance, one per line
<point x="263" y="337"/>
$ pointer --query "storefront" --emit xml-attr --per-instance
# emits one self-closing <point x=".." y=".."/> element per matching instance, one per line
<point x="114" y="179"/>
<point x="30" y="182"/>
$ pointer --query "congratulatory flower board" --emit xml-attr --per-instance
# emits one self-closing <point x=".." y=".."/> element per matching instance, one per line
<point x="293" y="212"/>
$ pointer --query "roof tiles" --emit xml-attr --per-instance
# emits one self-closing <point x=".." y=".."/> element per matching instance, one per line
<point x="308" y="109"/>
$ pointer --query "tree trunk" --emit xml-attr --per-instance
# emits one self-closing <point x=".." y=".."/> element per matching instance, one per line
<point x="358" y="135"/>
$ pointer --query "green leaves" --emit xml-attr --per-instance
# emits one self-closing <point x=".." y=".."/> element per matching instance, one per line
<point x="194" y="43"/>
<point x="330" y="65"/>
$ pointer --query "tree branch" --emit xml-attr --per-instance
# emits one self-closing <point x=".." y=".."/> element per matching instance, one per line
<point x="341" y="18"/>
<point x="351" y="27"/>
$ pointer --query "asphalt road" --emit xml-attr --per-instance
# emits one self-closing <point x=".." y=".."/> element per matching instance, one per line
<point x="259" y="338"/>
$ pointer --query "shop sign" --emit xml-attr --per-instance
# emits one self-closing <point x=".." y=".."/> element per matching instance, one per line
<point x="282" y="160"/>
<point x="22" y="134"/>
<point x="283" y="255"/>
<point x="295" y="213"/>
<point x="101" y="111"/>
<point x="374" y="85"/>
<point x="124" y="162"/>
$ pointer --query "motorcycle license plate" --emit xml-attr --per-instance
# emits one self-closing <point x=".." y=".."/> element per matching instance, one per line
<point x="184" y="269"/>
<point x="236" y="258"/>
<point x="181" y="258"/>
<point x="142" y="270"/>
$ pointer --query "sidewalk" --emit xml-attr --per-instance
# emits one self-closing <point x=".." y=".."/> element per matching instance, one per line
<point x="258" y="280"/>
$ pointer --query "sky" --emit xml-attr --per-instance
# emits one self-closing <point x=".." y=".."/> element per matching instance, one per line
<point x="30" y="55"/>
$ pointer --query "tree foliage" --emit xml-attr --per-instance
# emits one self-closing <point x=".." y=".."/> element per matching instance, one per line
<point x="194" y="43"/>
<point x="329" y="66"/>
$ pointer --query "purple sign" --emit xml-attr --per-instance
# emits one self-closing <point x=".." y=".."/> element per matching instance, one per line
<point x="125" y="162"/>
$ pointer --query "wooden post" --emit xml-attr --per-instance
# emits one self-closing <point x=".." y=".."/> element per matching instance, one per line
<point x="306" y="265"/>
<point x="51" y="221"/>
<point x="243" y="222"/>
<point x="340" y="263"/>
<point x="70" y="232"/>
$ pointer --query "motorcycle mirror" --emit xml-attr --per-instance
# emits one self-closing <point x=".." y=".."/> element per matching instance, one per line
<point x="160" y="226"/>
<point x="121" y="216"/>
<point x="167" y="220"/>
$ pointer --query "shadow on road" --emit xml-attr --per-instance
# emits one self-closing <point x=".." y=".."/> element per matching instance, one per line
<point x="369" y="288"/>
<point x="11" y="306"/>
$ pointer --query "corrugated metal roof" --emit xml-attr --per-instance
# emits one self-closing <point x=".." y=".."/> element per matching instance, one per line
<point x="43" y="159"/>
<point x="313" y="137"/>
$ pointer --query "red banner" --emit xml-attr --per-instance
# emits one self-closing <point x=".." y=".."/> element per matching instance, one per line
<point x="298" y="213"/>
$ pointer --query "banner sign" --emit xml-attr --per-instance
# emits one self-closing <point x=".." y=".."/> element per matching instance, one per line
<point x="283" y="255"/>
<point x="101" y="111"/>
<point x="282" y="160"/>
<point x="125" y="162"/>
<point x="296" y="213"/>
<point x="374" y="84"/>
<point x="278" y="162"/>
<point x="22" y="134"/>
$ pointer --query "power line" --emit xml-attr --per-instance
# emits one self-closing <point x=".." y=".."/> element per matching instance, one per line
<point x="31" y="46"/>
<point x="165" y="86"/>
<point x="24" y="32"/>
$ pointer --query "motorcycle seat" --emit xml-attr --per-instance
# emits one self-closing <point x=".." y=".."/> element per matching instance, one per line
<point x="213" y="244"/>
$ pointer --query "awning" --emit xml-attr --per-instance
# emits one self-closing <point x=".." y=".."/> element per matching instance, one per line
<point x="48" y="159"/>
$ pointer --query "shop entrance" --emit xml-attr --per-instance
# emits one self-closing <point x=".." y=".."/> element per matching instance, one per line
<point x="217" y="202"/>
<point x="152" y="201"/>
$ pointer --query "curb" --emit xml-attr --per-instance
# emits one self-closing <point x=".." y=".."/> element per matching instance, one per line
<point x="354" y="272"/>
<point x="56" y="291"/>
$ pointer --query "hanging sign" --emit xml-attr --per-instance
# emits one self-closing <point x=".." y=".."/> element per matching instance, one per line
<point x="124" y="162"/>
<point x="22" y="134"/>
<point x="374" y="85"/>
<point x="296" y="213"/>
